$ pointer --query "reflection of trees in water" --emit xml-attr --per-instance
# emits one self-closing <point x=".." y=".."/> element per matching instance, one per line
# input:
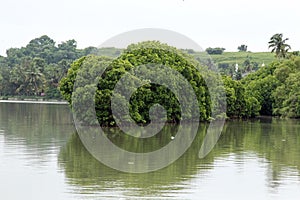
<point x="82" y="169"/>
<point x="37" y="126"/>
<point x="277" y="141"/>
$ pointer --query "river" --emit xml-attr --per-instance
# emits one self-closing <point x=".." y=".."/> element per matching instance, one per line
<point x="42" y="157"/>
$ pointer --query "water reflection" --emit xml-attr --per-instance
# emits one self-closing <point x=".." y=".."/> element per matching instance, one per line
<point x="271" y="146"/>
<point x="30" y="138"/>
<point x="41" y="157"/>
<point x="38" y="127"/>
<point x="84" y="170"/>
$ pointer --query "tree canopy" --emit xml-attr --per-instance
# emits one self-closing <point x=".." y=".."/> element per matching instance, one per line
<point x="276" y="87"/>
<point x="137" y="57"/>
<point x="37" y="68"/>
<point x="42" y="65"/>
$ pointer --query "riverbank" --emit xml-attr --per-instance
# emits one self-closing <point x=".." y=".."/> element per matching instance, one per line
<point x="34" y="101"/>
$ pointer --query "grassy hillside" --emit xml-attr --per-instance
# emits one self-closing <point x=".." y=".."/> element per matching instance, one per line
<point x="247" y="61"/>
<point x="240" y="57"/>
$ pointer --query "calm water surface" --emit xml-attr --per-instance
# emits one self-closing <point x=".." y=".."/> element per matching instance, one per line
<point x="41" y="157"/>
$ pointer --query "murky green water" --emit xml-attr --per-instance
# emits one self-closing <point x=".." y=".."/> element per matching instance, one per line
<point x="41" y="157"/>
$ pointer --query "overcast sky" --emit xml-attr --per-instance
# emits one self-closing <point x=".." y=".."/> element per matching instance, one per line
<point x="210" y="23"/>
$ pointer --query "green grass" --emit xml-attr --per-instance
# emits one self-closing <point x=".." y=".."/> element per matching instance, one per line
<point x="240" y="57"/>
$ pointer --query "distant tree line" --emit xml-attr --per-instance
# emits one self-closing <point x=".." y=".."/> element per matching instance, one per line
<point x="37" y="68"/>
<point x="41" y="67"/>
<point x="215" y="51"/>
<point x="243" y="48"/>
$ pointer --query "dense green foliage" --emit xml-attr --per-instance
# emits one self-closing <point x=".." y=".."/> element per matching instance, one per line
<point x="137" y="56"/>
<point x="88" y="68"/>
<point x="276" y="87"/>
<point x="239" y="103"/>
<point x="37" y="68"/>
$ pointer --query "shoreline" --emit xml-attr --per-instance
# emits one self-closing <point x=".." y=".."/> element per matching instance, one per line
<point x="31" y="101"/>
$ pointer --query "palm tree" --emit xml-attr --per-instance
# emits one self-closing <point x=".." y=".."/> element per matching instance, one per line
<point x="17" y="78"/>
<point x="27" y="78"/>
<point x="34" y="80"/>
<point x="278" y="45"/>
